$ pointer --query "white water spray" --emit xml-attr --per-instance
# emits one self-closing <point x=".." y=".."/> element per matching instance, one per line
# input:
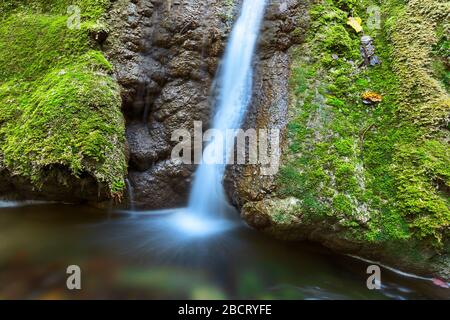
<point x="235" y="81"/>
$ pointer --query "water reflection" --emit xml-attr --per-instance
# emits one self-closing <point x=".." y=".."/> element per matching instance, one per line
<point x="140" y="256"/>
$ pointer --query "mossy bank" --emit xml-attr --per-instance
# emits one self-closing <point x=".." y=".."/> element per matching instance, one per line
<point x="61" y="128"/>
<point x="368" y="179"/>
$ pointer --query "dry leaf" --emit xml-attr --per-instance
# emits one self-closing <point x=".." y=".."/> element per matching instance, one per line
<point x="370" y="97"/>
<point x="355" y="23"/>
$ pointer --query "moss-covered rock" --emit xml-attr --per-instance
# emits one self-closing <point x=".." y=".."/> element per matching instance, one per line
<point x="368" y="179"/>
<point x="59" y="103"/>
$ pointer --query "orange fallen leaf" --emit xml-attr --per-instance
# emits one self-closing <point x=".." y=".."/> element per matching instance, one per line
<point x="372" y="97"/>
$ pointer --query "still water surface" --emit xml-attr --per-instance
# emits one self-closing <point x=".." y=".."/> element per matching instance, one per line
<point x="126" y="256"/>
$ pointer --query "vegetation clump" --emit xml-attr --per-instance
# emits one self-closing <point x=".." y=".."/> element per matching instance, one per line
<point x="59" y="104"/>
<point x="381" y="174"/>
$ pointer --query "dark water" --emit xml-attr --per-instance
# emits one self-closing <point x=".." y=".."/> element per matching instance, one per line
<point x="130" y="256"/>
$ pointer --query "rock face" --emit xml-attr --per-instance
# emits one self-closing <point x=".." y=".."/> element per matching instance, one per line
<point x="354" y="177"/>
<point x="58" y="185"/>
<point x="368" y="52"/>
<point x="166" y="55"/>
<point x="285" y="26"/>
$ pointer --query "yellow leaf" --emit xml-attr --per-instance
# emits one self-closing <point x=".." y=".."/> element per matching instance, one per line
<point x="355" y="23"/>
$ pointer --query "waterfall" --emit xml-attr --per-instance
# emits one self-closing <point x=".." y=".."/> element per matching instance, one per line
<point x="130" y="194"/>
<point x="207" y="203"/>
<point x="235" y="81"/>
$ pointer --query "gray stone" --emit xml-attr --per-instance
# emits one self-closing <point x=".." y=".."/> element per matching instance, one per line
<point x="367" y="50"/>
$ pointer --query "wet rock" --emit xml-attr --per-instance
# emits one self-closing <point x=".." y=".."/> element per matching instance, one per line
<point x="164" y="185"/>
<point x="260" y="214"/>
<point x="58" y="185"/>
<point x="186" y="65"/>
<point x="284" y="26"/>
<point x="269" y="106"/>
<point x="99" y="35"/>
<point x="144" y="147"/>
<point x="368" y="52"/>
<point x="166" y="54"/>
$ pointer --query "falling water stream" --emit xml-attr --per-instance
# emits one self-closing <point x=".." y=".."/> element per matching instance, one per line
<point x="130" y="191"/>
<point x="207" y="211"/>
<point x="235" y="80"/>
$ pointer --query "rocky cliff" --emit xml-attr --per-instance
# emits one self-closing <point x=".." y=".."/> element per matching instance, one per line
<point x="366" y="177"/>
<point x="166" y="55"/>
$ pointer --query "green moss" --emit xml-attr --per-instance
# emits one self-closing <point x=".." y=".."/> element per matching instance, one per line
<point x="59" y="104"/>
<point x="381" y="171"/>
<point x="423" y="99"/>
<point x="342" y="205"/>
<point x="337" y="40"/>
<point x="344" y="147"/>
<point x="346" y="4"/>
<point x="441" y="59"/>
<point x="90" y="9"/>
<point x="345" y="177"/>
<point x="227" y="15"/>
